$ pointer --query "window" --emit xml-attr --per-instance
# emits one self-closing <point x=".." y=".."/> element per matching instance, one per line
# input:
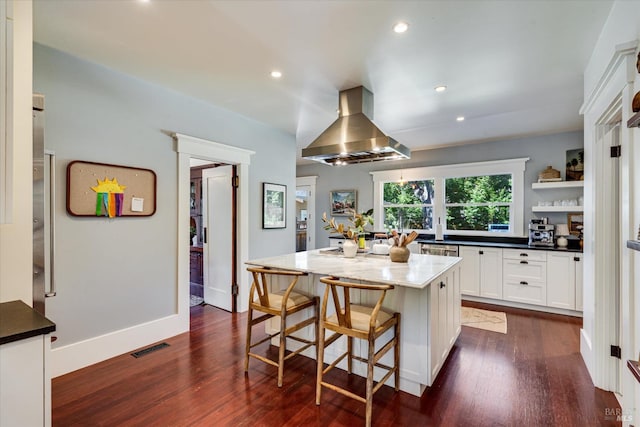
<point x="475" y="198"/>
<point x="408" y="205"/>
<point x="478" y="202"/>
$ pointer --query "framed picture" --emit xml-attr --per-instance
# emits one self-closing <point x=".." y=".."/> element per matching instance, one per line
<point x="342" y="202"/>
<point x="574" y="221"/>
<point x="274" y="205"/>
<point x="575" y="165"/>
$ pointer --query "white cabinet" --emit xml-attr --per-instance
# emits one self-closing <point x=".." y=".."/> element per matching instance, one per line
<point x="564" y="280"/>
<point x="25" y="385"/>
<point x="444" y="317"/>
<point x="525" y="276"/>
<point x="481" y="271"/>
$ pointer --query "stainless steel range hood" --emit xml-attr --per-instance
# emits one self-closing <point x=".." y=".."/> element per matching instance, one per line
<point x="353" y="138"/>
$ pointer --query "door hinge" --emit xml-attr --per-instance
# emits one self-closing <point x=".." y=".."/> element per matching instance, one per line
<point x="235" y="181"/>
<point x="616" y="351"/>
<point x="616" y="151"/>
<point x="234" y="289"/>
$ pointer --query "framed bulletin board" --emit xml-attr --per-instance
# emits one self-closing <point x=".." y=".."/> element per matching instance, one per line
<point x="100" y="189"/>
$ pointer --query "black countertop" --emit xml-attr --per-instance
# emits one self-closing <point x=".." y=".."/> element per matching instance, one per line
<point x="489" y="241"/>
<point x="18" y="321"/>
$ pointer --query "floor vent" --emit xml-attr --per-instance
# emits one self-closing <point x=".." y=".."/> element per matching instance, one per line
<point x="148" y="350"/>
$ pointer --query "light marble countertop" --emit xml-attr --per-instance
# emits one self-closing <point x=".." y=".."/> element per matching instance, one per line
<point x="417" y="273"/>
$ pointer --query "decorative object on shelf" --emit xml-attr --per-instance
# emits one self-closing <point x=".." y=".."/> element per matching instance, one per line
<point x="574" y="221"/>
<point x="549" y="175"/>
<point x="399" y="252"/>
<point x="342" y="202"/>
<point x="562" y="231"/>
<point x="575" y="165"/>
<point x="109" y="198"/>
<point x="274" y="205"/>
<point x="635" y="104"/>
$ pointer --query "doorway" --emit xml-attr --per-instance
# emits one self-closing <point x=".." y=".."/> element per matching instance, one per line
<point x="189" y="147"/>
<point x="305" y="213"/>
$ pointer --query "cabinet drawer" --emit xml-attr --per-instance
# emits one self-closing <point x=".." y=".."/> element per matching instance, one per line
<point x="526" y="254"/>
<point x="528" y="292"/>
<point x="516" y="270"/>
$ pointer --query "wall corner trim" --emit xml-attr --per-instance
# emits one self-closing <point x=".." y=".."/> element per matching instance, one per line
<point x="620" y="53"/>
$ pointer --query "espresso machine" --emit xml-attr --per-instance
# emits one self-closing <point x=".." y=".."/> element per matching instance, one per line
<point x="541" y="233"/>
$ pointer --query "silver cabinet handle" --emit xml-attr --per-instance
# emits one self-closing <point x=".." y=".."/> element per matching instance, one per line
<point x="52" y="226"/>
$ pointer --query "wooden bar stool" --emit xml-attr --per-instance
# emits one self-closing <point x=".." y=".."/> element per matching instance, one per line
<point x="282" y="304"/>
<point x="357" y="321"/>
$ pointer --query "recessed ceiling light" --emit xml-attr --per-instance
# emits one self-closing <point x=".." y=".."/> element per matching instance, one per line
<point x="440" y="88"/>
<point x="276" y="74"/>
<point x="460" y="118"/>
<point x="400" y="27"/>
<point x="144" y="1"/>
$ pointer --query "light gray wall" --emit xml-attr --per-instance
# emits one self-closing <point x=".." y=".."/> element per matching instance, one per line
<point x="542" y="151"/>
<point x="117" y="273"/>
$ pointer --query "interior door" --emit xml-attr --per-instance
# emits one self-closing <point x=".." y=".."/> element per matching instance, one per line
<point x="218" y="247"/>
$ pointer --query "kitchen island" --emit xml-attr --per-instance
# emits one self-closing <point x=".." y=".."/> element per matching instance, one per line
<point x="427" y="294"/>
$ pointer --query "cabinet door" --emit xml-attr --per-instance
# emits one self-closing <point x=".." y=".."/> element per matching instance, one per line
<point x="470" y="270"/>
<point x="491" y="272"/>
<point x="561" y="288"/>
<point x="577" y="261"/>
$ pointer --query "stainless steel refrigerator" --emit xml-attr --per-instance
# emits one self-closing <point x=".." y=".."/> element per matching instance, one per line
<point x="43" y="212"/>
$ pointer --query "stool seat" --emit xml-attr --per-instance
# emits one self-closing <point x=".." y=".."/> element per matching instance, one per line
<point x="295" y="299"/>
<point x="361" y="318"/>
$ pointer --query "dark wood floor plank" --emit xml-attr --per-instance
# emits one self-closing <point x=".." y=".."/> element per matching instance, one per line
<point x="532" y="376"/>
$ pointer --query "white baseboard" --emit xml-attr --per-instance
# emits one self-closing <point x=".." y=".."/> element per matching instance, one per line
<point x="93" y="350"/>
<point x="586" y="350"/>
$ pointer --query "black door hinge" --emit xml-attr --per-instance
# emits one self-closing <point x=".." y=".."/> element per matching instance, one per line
<point x="234" y="289"/>
<point x="616" y="351"/>
<point x="616" y="151"/>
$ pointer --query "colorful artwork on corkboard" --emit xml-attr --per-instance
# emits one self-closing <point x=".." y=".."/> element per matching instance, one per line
<point x="104" y="190"/>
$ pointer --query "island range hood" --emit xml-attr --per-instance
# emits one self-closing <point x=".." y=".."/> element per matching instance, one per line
<point x="353" y="138"/>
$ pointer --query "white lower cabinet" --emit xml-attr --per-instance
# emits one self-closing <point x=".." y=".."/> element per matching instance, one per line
<point x="481" y="271"/>
<point x="524" y="276"/>
<point x="25" y="385"/>
<point x="530" y="276"/>
<point x="565" y="280"/>
<point x="445" y="317"/>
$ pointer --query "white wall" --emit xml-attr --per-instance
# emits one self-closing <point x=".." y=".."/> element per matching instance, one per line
<point x="15" y="236"/>
<point x="542" y="151"/>
<point x="621" y="27"/>
<point x="117" y="274"/>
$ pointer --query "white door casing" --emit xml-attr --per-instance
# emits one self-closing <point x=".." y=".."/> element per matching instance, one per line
<point x="217" y="215"/>
<point x="188" y="146"/>
<point x="310" y="183"/>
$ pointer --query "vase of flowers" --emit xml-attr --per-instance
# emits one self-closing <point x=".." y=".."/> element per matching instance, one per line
<point x="351" y="232"/>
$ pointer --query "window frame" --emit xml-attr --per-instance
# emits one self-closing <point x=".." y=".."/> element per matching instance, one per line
<point x="514" y="167"/>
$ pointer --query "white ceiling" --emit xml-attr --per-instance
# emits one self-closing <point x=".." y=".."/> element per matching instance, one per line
<point x="512" y="67"/>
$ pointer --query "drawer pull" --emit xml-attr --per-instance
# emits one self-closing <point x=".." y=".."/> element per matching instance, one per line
<point x="524" y="254"/>
<point x="524" y="262"/>
<point x="523" y="283"/>
<point x="442" y="285"/>
<point x="481" y="252"/>
<point x="576" y="258"/>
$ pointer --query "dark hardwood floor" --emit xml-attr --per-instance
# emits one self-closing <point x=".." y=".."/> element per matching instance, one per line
<point x="532" y="376"/>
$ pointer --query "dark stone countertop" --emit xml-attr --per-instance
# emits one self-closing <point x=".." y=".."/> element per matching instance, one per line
<point x="18" y="321"/>
<point x="489" y="241"/>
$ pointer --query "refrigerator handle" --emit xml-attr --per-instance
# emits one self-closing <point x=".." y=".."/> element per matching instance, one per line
<point x="52" y="226"/>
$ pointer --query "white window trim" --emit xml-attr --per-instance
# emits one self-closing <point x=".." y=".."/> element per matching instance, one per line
<point x="515" y="167"/>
